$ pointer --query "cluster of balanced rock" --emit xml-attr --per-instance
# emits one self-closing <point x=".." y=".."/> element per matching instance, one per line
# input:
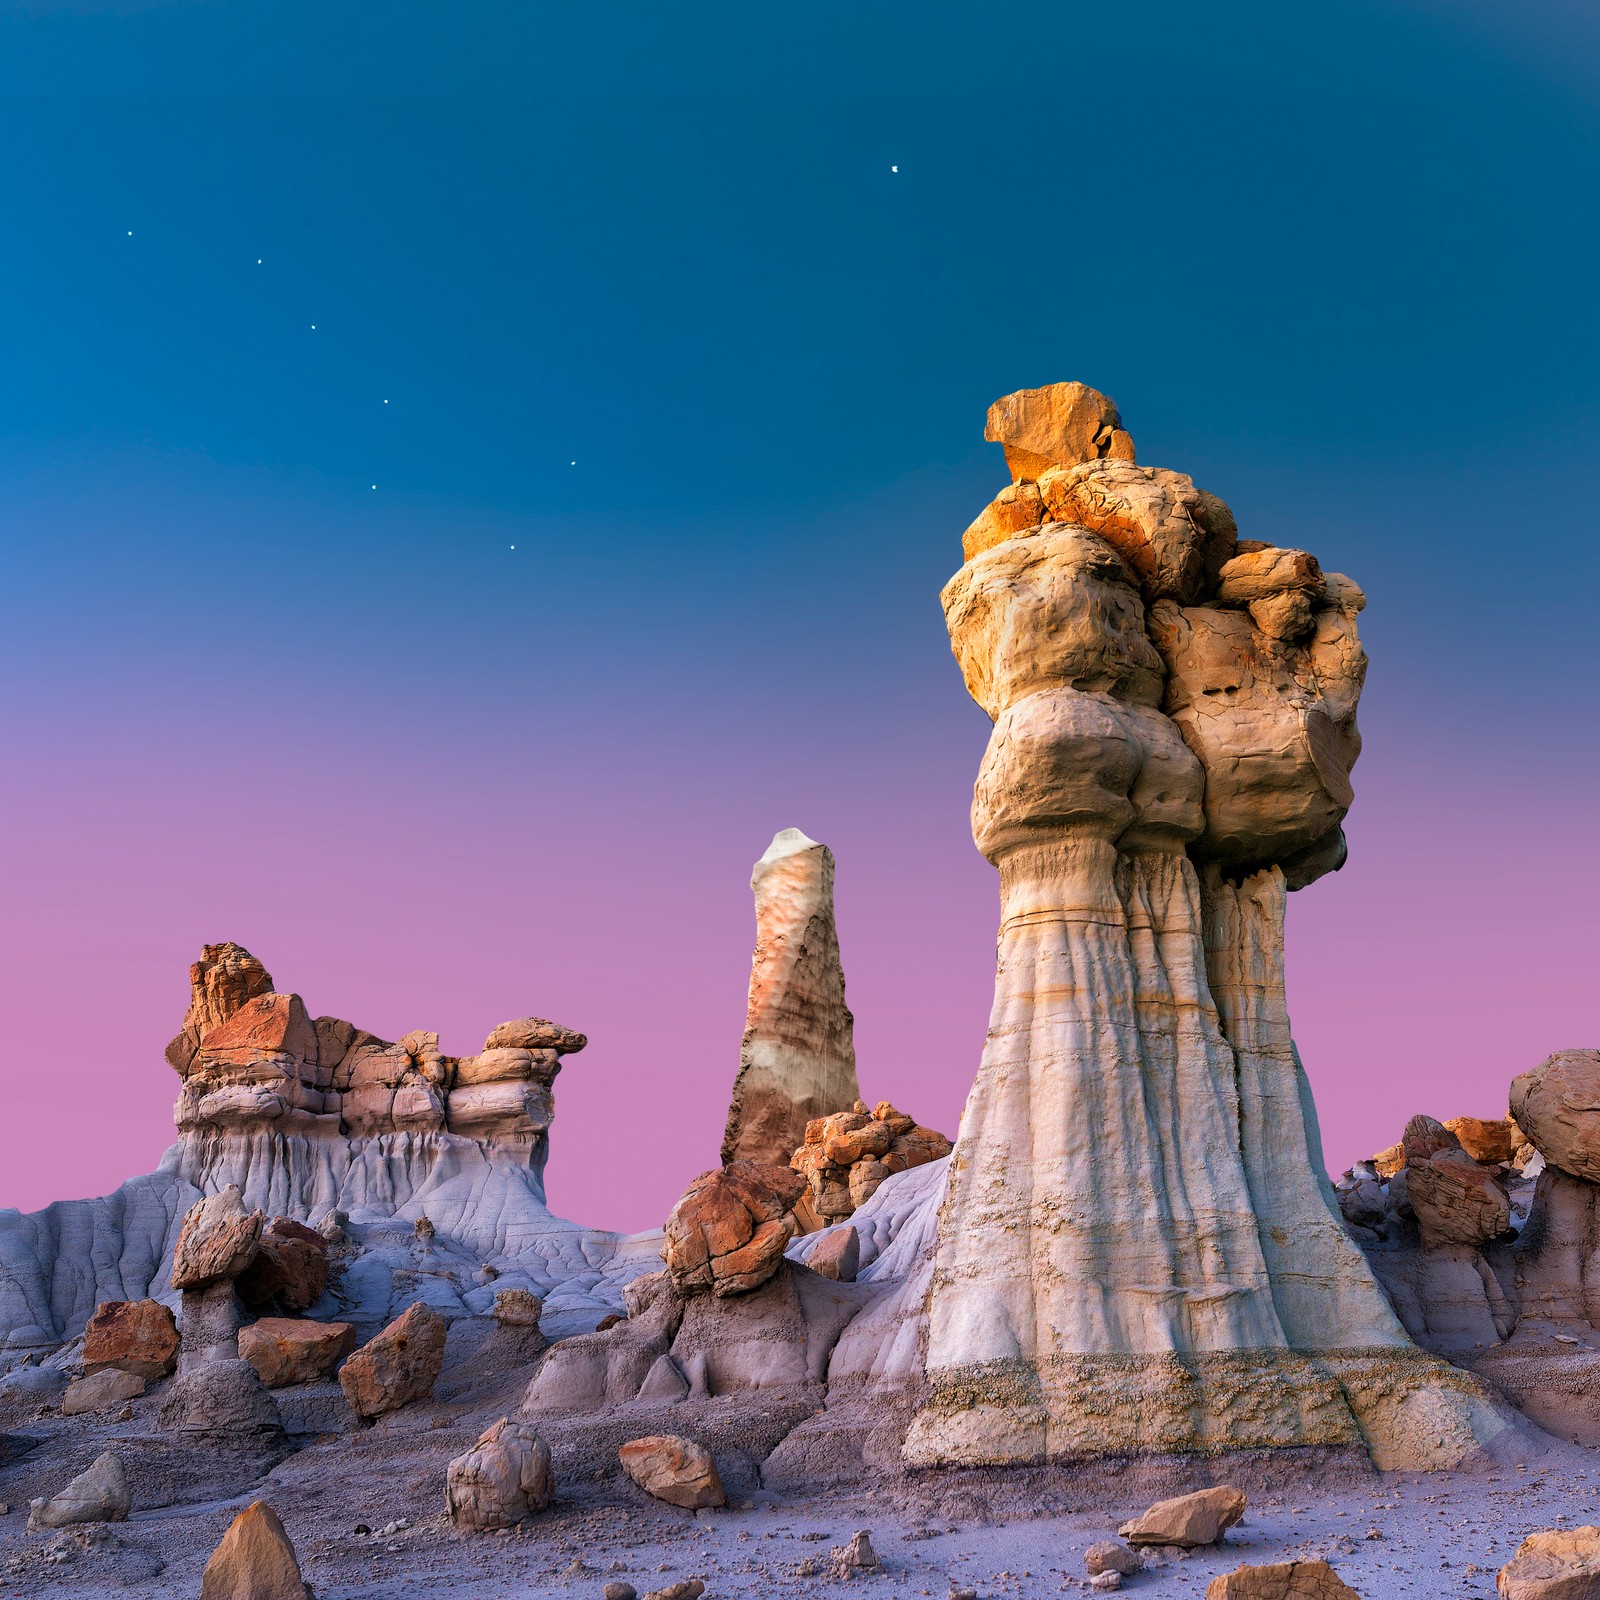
<point x="1480" y="1231"/>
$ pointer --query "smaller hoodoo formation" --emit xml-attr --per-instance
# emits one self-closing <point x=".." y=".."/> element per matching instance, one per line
<point x="431" y="1166"/>
<point x="1484" y="1233"/>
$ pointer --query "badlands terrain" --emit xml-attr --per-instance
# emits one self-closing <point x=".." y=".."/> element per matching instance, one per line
<point x="1124" y="1334"/>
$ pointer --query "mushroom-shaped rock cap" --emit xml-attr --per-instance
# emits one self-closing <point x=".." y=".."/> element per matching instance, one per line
<point x="1558" y="1106"/>
<point x="536" y="1033"/>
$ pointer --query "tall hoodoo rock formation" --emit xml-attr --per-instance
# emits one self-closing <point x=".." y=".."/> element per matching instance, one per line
<point x="797" y="1061"/>
<point x="1137" y="1247"/>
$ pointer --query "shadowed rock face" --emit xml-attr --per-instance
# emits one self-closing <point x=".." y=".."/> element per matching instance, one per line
<point x="797" y="1061"/>
<point x="1136" y="1224"/>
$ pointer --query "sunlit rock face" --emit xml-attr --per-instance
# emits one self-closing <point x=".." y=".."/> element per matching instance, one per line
<point x="1138" y="1248"/>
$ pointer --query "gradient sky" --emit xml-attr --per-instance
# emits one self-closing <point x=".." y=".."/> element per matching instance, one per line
<point x="672" y="391"/>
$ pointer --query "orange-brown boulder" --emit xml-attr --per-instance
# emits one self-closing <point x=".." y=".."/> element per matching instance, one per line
<point x="1189" y="1521"/>
<point x="536" y="1033"/>
<point x="1056" y="426"/>
<point x="1281" y="1580"/>
<point x="1556" y="1106"/>
<point x="674" y="1469"/>
<point x="729" y="1231"/>
<point x="137" y="1336"/>
<point x="396" y="1366"/>
<point x="290" y="1266"/>
<point x="222" y="980"/>
<point x="289" y="1350"/>
<point x="254" y="1561"/>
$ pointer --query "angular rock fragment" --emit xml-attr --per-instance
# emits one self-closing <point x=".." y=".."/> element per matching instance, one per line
<point x="857" y="1558"/>
<point x="1281" y="1580"/>
<point x="684" y="1589"/>
<point x="837" y="1255"/>
<point x="729" y="1231"/>
<point x="101" y="1391"/>
<point x="1056" y="426"/>
<point x="501" y="1480"/>
<point x="254" y="1560"/>
<point x="1489" y="1143"/>
<point x="1188" y="1521"/>
<point x="797" y="1060"/>
<point x="1017" y="509"/>
<point x="217" y="1242"/>
<point x="137" y="1336"/>
<point x="98" y="1494"/>
<point x="673" y="1469"/>
<point x="398" y="1365"/>
<point x="291" y="1350"/>
<point x="1109" y="1556"/>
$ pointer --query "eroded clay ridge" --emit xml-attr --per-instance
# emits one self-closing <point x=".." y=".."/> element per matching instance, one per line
<point x="1138" y="1247"/>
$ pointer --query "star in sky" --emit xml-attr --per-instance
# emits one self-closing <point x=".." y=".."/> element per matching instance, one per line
<point x="894" y="169"/>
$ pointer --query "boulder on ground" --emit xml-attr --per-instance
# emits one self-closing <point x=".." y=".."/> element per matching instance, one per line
<point x="729" y="1231"/>
<point x="837" y="1255"/>
<point x="221" y="1397"/>
<point x="254" y="1561"/>
<point x="1281" y="1580"/>
<point x="1553" y="1564"/>
<point x="396" y="1366"/>
<point x="1109" y="1556"/>
<point x="855" y="1558"/>
<point x="290" y="1266"/>
<point x="847" y="1155"/>
<point x="683" y="1589"/>
<point x="501" y="1479"/>
<point x="137" y="1336"/>
<point x="100" y="1391"/>
<point x="1189" y="1521"/>
<point x="674" y="1469"/>
<point x="98" y="1494"/>
<point x="217" y="1241"/>
<point x="290" y="1350"/>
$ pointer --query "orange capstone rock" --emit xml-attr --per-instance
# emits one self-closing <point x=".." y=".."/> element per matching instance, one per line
<point x="729" y="1231"/>
<point x="1056" y="426"/>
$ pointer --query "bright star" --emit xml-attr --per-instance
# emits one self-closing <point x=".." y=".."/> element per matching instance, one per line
<point x="894" y="169"/>
<point x="130" y="233"/>
<point x="374" y="486"/>
<point x="572" y="463"/>
<point x="313" y="327"/>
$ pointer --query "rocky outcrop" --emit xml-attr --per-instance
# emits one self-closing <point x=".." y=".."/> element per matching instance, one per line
<point x="797" y="1060"/>
<point x="1136" y="1222"/>
<point x="679" y="1471"/>
<point x="312" y="1120"/>
<point x="729" y="1232"/>
<point x="503" y="1478"/>
<point x="846" y="1156"/>
<point x="136" y="1336"/>
<point x="398" y="1366"/>
<point x="254" y="1561"/>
